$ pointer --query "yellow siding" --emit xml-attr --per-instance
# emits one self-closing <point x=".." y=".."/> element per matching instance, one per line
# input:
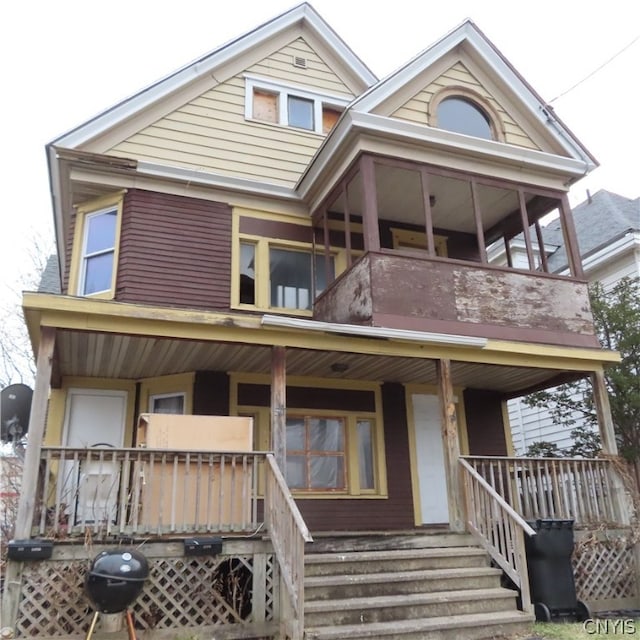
<point x="210" y="133"/>
<point x="417" y="108"/>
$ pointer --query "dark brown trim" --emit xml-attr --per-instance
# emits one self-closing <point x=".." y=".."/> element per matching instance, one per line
<point x="541" y="248"/>
<point x="570" y="238"/>
<point x="371" y="230"/>
<point x="525" y="228"/>
<point x="490" y="331"/>
<point x="477" y="215"/>
<point x="428" y="214"/>
<point x="554" y="381"/>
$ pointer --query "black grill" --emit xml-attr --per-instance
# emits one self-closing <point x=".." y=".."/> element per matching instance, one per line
<point x="115" y="579"/>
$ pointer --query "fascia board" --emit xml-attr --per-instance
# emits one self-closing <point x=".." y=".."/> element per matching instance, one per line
<point x="631" y="240"/>
<point x="55" y="186"/>
<point x="207" y="64"/>
<point x="467" y="35"/>
<point x="405" y="131"/>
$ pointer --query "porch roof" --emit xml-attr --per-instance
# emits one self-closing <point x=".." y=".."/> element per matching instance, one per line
<point x="100" y="338"/>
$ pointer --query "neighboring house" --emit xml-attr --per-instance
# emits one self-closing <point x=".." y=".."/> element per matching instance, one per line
<point x="286" y="259"/>
<point x="608" y="231"/>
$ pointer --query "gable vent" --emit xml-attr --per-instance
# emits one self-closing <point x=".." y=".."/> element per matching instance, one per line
<point x="299" y="62"/>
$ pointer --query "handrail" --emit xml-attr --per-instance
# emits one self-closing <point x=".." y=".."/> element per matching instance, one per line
<point x="288" y="533"/>
<point x="499" y="529"/>
<point x="580" y="489"/>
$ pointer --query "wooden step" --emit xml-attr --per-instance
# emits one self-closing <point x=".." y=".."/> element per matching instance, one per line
<point x="353" y="562"/>
<point x="474" y="626"/>
<point x="349" y="611"/>
<point x="399" y="582"/>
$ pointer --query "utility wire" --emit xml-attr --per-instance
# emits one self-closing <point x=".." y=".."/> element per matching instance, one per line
<point x="604" y="64"/>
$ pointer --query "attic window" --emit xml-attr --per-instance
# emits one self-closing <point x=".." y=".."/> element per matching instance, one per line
<point x="291" y="107"/>
<point x="462" y="115"/>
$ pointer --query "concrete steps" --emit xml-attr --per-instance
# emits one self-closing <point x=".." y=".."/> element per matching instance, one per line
<point x="436" y="587"/>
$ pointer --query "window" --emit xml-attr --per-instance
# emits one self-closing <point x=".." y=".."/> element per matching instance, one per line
<point x="316" y="454"/>
<point x="94" y="257"/>
<point x="273" y="276"/>
<point x="98" y="252"/>
<point x="290" y="277"/>
<point x="462" y="115"/>
<point x="331" y="452"/>
<point x="167" y="403"/>
<point x="290" y="106"/>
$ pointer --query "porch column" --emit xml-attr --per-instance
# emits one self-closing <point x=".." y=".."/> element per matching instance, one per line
<point x="609" y="444"/>
<point x="451" y="444"/>
<point x="279" y="407"/>
<point x="29" y="486"/>
<point x="370" y="205"/>
<point x="570" y="239"/>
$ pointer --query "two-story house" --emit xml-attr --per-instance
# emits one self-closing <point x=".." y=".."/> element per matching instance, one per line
<point x="273" y="237"/>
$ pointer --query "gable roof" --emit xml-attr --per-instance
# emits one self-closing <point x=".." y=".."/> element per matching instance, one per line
<point x="469" y="37"/>
<point x="603" y="218"/>
<point x="303" y="15"/>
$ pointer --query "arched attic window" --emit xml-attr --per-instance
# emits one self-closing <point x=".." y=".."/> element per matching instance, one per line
<point x="462" y="111"/>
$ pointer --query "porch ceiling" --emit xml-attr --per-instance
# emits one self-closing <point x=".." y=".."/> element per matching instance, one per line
<point x="88" y="354"/>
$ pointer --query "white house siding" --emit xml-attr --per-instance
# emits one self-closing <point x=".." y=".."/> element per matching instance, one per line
<point x="210" y="133"/>
<point x="529" y="425"/>
<point x="417" y="108"/>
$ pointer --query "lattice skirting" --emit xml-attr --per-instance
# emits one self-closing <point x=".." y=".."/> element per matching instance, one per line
<point x="605" y="569"/>
<point x="181" y="592"/>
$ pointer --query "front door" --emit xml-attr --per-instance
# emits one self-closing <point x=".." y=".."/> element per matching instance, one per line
<point x="432" y="481"/>
<point x="95" y="419"/>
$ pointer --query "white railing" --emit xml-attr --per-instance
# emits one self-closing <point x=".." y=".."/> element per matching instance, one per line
<point x="289" y="534"/>
<point x="139" y="491"/>
<point x="582" y="490"/>
<point x="498" y="528"/>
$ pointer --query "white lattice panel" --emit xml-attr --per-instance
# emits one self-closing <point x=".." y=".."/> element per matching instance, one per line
<point x="604" y="571"/>
<point x="181" y="592"/>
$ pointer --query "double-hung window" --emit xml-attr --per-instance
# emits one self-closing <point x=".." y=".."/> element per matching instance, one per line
<point x="95" y="247"/>
<point x="291" y="106"/>
<point x="98" y="251"/>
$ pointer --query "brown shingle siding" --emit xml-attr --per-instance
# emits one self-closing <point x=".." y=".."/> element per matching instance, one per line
<point x="174" y="251"/>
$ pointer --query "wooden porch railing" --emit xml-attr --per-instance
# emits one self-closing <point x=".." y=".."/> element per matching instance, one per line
<point x="289" y="534"/>
<point x="498" y="528"/>
<point x="140" y="491"/>
<point x="582" y="490"/>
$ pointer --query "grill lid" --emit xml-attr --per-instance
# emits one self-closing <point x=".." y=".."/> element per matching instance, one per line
<point x="115" y="579"/>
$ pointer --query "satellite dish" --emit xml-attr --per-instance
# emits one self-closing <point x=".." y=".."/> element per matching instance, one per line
<point x="15" y="407"/>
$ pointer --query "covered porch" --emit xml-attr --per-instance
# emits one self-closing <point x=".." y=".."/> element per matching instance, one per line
<point x="243" y="496"/>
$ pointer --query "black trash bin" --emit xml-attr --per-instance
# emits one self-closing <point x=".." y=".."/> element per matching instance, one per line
<point x="553" y="589"/>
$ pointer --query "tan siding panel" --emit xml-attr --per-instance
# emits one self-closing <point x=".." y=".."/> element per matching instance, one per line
<point x="211" y="134"/>
<point x="416" y="109"/>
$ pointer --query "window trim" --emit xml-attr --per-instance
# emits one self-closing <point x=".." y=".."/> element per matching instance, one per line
<point x="465" y="93"/>
<point x="84" y="212"/>
<point x="262" y="416"/>
<point x="283" y="91"/>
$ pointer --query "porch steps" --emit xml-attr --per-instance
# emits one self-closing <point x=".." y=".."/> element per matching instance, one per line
<point x="433" y="587"/>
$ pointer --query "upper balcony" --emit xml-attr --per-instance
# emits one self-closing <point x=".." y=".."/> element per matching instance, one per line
<point x="440" y="250"/>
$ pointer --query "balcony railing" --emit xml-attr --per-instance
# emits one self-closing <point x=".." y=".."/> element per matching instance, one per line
<point x="583" y="490"/>
<point x="130" y="492"/>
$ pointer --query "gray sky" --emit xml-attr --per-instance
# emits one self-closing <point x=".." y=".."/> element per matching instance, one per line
<point x="64" y="61"/>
